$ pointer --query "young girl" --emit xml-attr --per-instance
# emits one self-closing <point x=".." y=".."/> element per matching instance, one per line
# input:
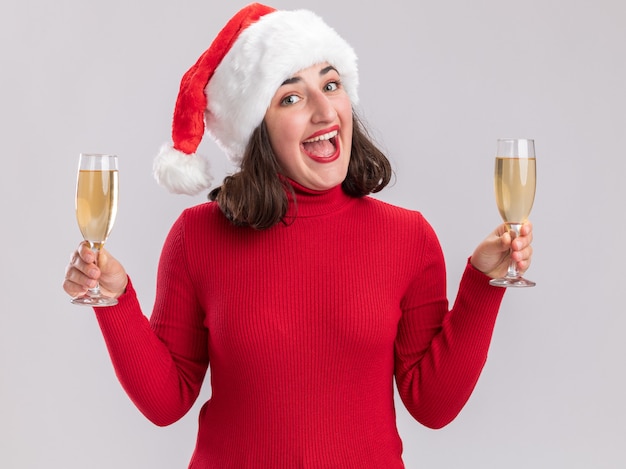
<point x="304" y="296"/>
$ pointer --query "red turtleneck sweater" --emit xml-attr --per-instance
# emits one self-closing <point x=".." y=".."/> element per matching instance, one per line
<point x="304" y="327"/>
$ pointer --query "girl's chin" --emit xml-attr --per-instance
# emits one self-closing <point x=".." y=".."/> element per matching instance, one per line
<point x="321" y="182"/>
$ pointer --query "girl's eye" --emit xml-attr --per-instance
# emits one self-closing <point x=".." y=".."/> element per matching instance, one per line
<point x="331" y="86"/>
<point x="288" y="100"/>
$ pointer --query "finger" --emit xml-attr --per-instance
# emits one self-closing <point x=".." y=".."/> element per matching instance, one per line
<point x="501" y="229"/>
<point x="526" y="228"/>
<point x="523" y="266"/>
<point x="77" y="276"/>
<point x="78" y="263"/>
<point x="523" y="254"/>
<point x="73" y="289"/>
<point x="76" y="283"/>
<point x="505" y="241"/>
<point x="522" y="242"/>
<point x="86" y="253"/>
<point x="103" y="257"/>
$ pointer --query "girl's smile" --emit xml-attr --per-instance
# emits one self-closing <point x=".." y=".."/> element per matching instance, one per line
<point x="322" y="147"/>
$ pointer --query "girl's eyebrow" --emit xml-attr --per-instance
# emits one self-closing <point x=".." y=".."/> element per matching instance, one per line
<point x="291" y="80"/>
<point x="296" y="79"/>
<point x="325" y="70"/>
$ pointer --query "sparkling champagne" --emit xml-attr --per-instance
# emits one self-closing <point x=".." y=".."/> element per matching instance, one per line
<point x="96" y="204"/>
<point x="515" y="188"/>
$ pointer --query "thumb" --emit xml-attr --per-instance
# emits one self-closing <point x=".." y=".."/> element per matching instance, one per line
<point x="113" y="277"/>
<point x="505" y="241"/>
<point x="104" y="260"/>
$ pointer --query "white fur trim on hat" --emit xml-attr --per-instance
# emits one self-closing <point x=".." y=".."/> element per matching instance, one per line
<point x="181" y="173"/>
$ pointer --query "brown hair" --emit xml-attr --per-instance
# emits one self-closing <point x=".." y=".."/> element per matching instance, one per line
<point x="256" y="196"/>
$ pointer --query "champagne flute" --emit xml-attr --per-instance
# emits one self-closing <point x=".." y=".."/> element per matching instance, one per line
<point x="514" y="180"/>
<point x="96" y="208"/>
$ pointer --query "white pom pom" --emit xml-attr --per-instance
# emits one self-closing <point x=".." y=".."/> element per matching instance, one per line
<point x="181" y="173"/>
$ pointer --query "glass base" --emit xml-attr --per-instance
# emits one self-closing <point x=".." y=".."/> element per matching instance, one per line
<point x="518" y="282"/>
<point x="94" y="300"/>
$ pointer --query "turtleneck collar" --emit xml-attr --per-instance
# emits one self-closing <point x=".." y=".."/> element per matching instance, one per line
<point x="314" y="203"/>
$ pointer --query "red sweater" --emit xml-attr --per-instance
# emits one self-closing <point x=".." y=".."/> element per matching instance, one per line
<point x="304" y="327"/>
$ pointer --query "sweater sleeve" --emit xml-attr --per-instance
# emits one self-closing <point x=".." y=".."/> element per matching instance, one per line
<point x="161" y="362"/>
<point x="440" y="353"/>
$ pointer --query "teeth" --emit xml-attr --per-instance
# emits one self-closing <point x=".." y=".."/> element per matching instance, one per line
<point x="327" y="136"/>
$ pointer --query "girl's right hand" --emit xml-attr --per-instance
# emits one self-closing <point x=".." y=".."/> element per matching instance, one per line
<point x="82" y="273"/>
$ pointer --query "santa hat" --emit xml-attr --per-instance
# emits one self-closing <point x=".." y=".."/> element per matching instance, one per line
<point x="230" y="87"/>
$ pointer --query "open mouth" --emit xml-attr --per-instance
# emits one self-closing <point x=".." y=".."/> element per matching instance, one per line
<point x="322" y="147"/>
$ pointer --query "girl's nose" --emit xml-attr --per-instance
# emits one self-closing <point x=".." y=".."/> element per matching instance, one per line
<point x="323" y="109"/>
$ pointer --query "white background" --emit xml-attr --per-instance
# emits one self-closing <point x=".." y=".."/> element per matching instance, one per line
<point x="440" y="82"/>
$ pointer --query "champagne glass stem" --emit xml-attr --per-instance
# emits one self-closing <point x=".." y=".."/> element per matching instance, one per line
<point x="95" y="291"/>
<point x="514" y="231"/>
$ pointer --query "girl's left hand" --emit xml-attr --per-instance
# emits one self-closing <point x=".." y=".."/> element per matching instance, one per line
<point x="493" y="255"/>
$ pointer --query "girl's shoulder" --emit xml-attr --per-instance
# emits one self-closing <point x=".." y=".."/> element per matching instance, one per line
<point x="202" y="218"/>
<point x="392" y="213"/>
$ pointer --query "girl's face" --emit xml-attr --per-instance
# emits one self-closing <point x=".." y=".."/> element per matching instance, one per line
<point x="309" y="122"/>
